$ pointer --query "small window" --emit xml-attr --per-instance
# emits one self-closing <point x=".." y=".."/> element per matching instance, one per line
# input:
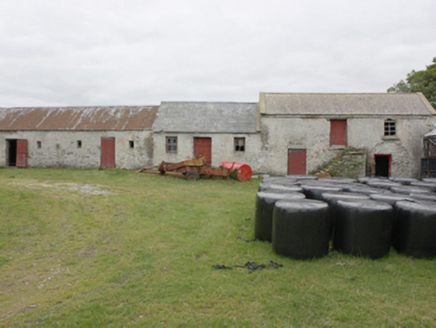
<point x="131" y="144"/>
<point x="390" y="128"/>
<point x="171" y="144"/>
<point x="239" y="144"/>
<point x="38" y="144"/>
<point x="79" y="143"/>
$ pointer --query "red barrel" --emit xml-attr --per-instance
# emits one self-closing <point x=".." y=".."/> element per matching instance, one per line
<point x="241" y="172"/>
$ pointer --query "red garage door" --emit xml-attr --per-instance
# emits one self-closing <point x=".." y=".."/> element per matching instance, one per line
<point x="203" y="147"/>
<point x="108" y="153"/>
<point x="296" y="161"/>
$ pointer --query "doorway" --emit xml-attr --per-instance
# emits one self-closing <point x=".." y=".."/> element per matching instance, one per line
<point x="296" y="161"/>
<point x="203" y="147"/>
<point x="16" y="152"/>
<point x="107" y="153"/>
<point x="11" y="152"/>
<point x="383" y="165"/>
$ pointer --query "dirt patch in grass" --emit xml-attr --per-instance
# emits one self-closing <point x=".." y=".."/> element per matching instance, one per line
<point x="86" y="189"/>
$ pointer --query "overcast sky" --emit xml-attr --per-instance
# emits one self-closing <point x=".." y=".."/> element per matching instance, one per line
<point x="127" y="52"/>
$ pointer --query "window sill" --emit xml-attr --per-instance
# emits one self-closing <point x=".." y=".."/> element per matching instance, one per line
<point x="391" y="138"/>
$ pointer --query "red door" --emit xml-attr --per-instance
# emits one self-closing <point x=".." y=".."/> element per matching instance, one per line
<point x="21" y="153"/>
<point x="296" y="161"/>
<point x="338" y="132"/>
<point x="107" y="153"/>
<point x="203" y="147"/>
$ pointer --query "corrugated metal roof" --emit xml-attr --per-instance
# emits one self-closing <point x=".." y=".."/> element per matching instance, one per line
<point x="345" y="104"/>
<point x="112" y="118"/>
<point x="206" y="117"/>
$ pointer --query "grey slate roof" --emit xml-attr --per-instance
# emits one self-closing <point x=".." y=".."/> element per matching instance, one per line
<point x="111" y="118"/>
<point x="206" y="117"/>
<point x="385" y="104"/>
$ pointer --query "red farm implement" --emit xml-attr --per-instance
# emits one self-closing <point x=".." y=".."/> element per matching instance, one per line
<point x="196" y="168"/>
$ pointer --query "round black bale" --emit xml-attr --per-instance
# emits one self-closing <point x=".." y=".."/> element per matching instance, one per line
<point x="404" y="181"/>
<point x="407" y="190"/>
<point x="431" y="186"/>
<point x="300" y="177"/>
<point x="316" y="191"/>
<point x="390" y="199"/>
<point x="415" y="229"/>
<point x="283" y="188"/>
<point x="342" y="186"/>
<point x="332" y="198"/>
<point x="363" y="228"/>
<point x="365" y="180"/>
<point x="280" y="181"/>
<point x="300" y="229"/>
<point x="339" y="180"/>
<point x="431" y="197"/>
<point x="386" y="184"/>
<point x="265" y="202"/>
<point x="362" y="189"/>
<point x="309" y="182"/>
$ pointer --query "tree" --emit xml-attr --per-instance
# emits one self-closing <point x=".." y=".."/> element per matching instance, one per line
<point x="421" y="81"/>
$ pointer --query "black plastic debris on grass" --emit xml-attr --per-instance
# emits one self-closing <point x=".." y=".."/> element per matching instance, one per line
<point x="251" y="266"/>
<point x="221" y="266"/>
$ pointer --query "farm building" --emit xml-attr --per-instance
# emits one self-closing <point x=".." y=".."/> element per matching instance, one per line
<point x="285" y="133"/>
<point x="304" y="133"/>
<point x="218" y="131"/>
<point x="77" y="137"/>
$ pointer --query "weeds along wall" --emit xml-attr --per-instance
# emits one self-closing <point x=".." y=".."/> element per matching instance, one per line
<point x="80" y="149"/>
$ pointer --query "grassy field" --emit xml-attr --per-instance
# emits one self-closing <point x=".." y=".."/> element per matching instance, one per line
<point x="91" y="248"/>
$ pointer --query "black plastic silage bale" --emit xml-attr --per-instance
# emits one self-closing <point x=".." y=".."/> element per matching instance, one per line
<point x="404" y="181"/>
<point x="431" y="197"/>
<point x="363" y="228"/>
<point x="340" y="180"/>
<point x="362" y="189"/>
<point x="390" y="199"/>
<point x="415" y="229"/>
<point x="300" y="229"/>
<point x="429" y="180"/>
<point x="280" y="181"/>
<point x="300" y="177"/>
<point x="429" y="185"/>
<point x="406" y="190"/>
<point x="265" y="202"/>
<point x="316" y="191"/>
<point x="283" y="188"/>
<point x="332" y="198"/>
<point x="386" y="184"/>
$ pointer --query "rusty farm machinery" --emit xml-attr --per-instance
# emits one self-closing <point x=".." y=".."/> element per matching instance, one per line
<point x="197" y="168"/>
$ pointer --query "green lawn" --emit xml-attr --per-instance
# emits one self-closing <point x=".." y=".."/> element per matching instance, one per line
<point x="85" y="248"/>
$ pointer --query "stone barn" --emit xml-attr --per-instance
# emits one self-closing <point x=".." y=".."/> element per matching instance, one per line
<point x="373" y="134"/>
<point x="77" y="137"/>
<point x="219" y="131"/>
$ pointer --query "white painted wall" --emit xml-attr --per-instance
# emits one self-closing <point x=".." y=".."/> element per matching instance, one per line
<point x="59" y="148"/>
<point x="313" y="134"/>
<point x="265" y="152"/>
<point x="222" y="148"/>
